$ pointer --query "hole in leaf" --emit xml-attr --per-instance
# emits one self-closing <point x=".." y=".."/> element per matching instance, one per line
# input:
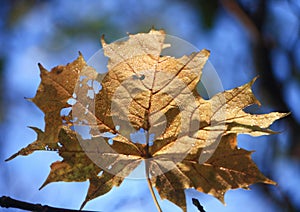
<point x="65" y="111"/>
<point x="82" y="78"/>
<point x="91" y="94"/>
<point x="140" y="137"/>
<point x="84" y="131"/>
<point x="110" y="141"/>
<point x="100" y="173"/>
<point x="138" y="77"/>
<point x="89" y="83"/>
<point x="71" y="101"/>
<point x="96" y="86"/>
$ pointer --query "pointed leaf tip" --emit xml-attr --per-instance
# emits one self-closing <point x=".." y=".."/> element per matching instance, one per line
<point x="80" y="57"/>
<point x="35" y="129"/>
<point x="206" y="51"/>
<point x="43" y="185"/>
<point x="12" y="157"/>
<point x="83" y="204"/>
<point x="42" y="68"/>
<point x="253" y="80"/>
<point x="102" y="40"/>
<point x="28" y="99"/>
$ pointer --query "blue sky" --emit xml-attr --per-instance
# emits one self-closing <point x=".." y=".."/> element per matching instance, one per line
<point x="39" y="37"/>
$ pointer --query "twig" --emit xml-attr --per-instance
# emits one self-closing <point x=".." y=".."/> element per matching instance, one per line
<point x="234" y="8"/>
<point x="7" y="202"/>
<point x="198" y="205"/>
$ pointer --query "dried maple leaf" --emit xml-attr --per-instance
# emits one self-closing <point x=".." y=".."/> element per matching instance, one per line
<point x="52" y="96"/>
<point x="185" y="140"/>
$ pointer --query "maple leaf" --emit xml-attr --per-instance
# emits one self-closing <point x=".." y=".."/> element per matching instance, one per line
<point x="185" y="140"/>
<point x="52" y="96"/>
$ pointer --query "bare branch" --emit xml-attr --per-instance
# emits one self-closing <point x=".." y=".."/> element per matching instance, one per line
<point x="7" y="202"/>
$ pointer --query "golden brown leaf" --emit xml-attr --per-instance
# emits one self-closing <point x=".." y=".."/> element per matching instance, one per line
<point x="230" y="167"/>
<point x="56" y="88"/>
<point x="76" y="166"/>
<point x="189" y="142"/>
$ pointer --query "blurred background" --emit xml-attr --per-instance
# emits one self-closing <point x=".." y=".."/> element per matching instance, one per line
<point x="247" y="38"/>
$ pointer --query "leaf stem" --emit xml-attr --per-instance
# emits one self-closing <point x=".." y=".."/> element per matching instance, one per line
<point x="147" y="175"/>
<point x="151" y="188"/>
